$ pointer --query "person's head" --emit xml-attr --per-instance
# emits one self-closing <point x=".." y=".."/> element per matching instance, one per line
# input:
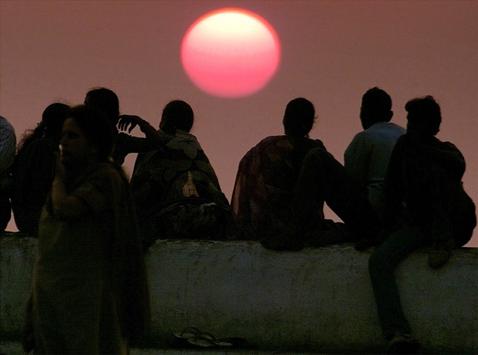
<point x="176" y="115"/>
<point x="86" y="137"/>
<point x="49" y="127"/>
<point x="424" y="116"/>
<point x="299" y="117"/>
<point x="376" y="107"/>
<point x="105" y="100"/>
<point x="52" y="119"/>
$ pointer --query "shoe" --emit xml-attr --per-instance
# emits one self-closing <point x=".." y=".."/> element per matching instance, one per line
<point x="440" y="254"/>
<point x="403" y="344"/>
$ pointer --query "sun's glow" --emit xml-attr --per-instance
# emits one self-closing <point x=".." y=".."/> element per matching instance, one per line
<point x="230" y="52"/>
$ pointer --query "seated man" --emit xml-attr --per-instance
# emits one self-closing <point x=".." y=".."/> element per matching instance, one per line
<point x="425" y="204"/>
<point x="283" y="182"/>
<point x="175" y="188"/>
<point x="366" y="158"/>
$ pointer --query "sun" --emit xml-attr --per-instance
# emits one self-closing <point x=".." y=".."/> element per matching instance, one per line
<point x="230" y="52"/>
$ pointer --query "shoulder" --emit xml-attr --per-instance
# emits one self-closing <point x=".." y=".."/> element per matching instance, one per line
<point x="104" y="179"/>
<point x="265" y="143"/>
<point x="446" y="145"/>
<point x="396" y="127"/>
<point x="360" y="141"/>
<point x="5" y="125"/>
<point x="260" y="149"/>
<point x="107" y="174"/>
<point x="269" y="141"/>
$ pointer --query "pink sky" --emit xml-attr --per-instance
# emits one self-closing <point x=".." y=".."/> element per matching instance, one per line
<point x="332" y="51"/>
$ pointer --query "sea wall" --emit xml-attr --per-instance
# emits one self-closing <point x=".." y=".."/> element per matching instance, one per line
<point x="312" y="300"/>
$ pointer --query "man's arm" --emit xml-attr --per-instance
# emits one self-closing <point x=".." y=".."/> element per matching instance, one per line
<point x="356" y="160"/>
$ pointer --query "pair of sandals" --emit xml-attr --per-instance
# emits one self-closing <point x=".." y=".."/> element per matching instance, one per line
<point x="193" y="337"/>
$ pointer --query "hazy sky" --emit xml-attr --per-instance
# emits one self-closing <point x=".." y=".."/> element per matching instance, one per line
<point x="332" y="51"/>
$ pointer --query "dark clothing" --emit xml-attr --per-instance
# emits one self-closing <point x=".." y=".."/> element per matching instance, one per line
<point x="424" y="188"/>
<point x="89" y="284"/>
<point x="323" y="179"/>
<point x="177" y="193"/>
<point x="382" y="264"/>
<point x="33" y="173"/>
<point x="425" y="205"/>
<point x="281" y="186"/>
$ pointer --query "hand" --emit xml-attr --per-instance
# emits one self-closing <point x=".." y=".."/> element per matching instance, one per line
<point x="129" y="122"/>
<point x="59" y="169"/>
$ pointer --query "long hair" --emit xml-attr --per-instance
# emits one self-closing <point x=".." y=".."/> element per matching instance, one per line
<point x="49" y="127"/>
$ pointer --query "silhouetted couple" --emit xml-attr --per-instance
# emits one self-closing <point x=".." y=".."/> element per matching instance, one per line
<point x="283" y="182"/>
<point x="399" y="191"/>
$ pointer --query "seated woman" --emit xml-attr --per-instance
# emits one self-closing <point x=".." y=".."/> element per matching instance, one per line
<point x="34" y="168"/>
<point x="283" y="182"/>
<point x="89" y="284"/>
<point x="175" y="188"/>
<point x="425" y="204"/>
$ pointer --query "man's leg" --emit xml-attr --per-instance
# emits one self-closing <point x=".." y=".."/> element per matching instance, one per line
<point x="382" y="264"/>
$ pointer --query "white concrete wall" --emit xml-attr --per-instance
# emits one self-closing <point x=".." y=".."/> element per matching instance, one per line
<point x="316" y="299"/>
<point x="16" y="262"/>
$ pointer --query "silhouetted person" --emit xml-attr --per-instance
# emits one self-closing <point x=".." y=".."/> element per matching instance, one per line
<point x="89" y="284"/>
<point x="425" y="204"/>
<point x="283" y="182"/>
<point x="175" y="188"/>
<point x="7" y="156"/>
<point x="34" y="167"/>
<point x="104" y="100"/>
<point x="107" y="101"/>
<point x="366" y="158"/>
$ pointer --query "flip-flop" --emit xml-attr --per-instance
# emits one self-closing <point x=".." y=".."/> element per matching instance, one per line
<point x="193" y="336"/>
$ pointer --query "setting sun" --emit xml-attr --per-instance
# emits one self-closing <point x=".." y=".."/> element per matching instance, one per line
<point x="230" y="52"/>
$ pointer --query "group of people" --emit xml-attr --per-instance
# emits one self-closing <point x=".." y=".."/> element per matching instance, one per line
<point x="398" y="190"/>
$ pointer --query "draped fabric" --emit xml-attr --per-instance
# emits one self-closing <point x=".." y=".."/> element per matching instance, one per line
<point x="265" y="183"/>
<point x="89" y="285"/>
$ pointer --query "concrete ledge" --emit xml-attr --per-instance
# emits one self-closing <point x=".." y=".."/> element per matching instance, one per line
<point x="315" y="300"/>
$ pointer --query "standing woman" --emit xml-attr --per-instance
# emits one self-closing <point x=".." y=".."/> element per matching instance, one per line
<point x="89" y="286"/>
